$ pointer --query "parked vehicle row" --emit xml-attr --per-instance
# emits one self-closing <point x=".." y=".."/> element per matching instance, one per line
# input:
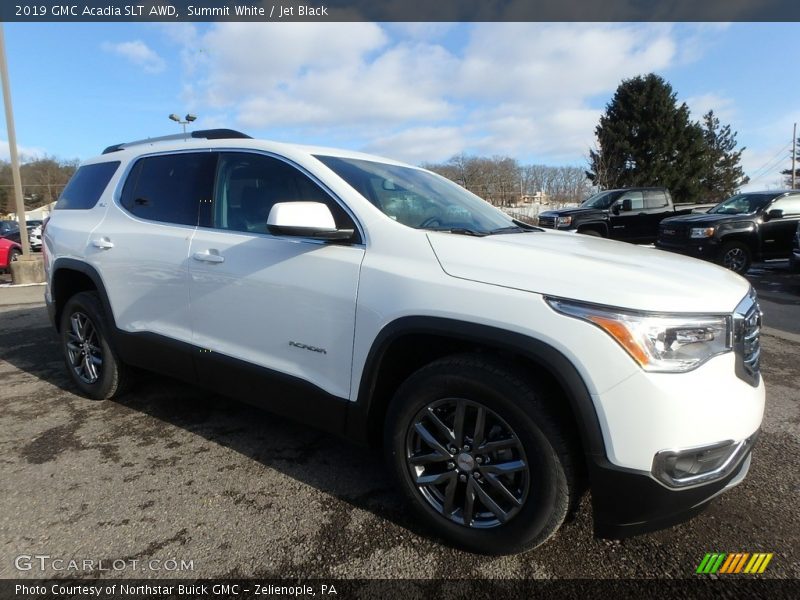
<point x="746" y="227"/>
<point x="10" y="230"/>
<point x="500" y="368"/>
<point x="628" y="215"/>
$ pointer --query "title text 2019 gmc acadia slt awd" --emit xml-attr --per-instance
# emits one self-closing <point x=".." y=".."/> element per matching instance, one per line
<point x="502" y="368"/>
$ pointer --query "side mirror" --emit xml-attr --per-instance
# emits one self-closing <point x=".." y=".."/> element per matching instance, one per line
<point x="627" y="205"/>
<point x="775" y="213"/>
<point x="305" y="219"/>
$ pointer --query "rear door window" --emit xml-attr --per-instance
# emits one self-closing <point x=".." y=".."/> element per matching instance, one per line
<point x="171" y="188"/>
<point x="86" y="186"/>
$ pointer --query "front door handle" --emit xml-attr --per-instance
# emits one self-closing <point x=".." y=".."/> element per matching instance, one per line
<point x="103" y="243"/>
<point x="211" y="256"/>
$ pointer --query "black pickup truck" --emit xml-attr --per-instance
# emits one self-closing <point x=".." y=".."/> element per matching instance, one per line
<point x="629" y="214"/>
<point x="746" y="227"/>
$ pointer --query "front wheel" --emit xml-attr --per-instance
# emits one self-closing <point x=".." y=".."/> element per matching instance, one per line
<point x="736" y="256"/>
<point x="480" y="456"/>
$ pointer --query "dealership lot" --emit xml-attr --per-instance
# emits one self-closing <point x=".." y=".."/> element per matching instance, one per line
<point x="172" y="482"/>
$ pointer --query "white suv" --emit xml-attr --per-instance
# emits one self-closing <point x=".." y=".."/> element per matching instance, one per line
<point x="502" y="368"/>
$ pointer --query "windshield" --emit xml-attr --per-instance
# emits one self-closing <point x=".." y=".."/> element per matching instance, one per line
<point x="601" y="200"/>
<point x="741" y="204"/>
<point x="420" y="199"/>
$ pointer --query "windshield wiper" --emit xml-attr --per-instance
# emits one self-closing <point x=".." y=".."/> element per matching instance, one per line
<point x="459" y="231"/>
<point x="513" y="229"/>
<point x="509" y="229"/>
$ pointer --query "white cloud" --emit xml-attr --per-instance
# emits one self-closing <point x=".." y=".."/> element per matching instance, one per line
<point x="723" y="107"/>
<point x="522" y="89"/>
<point x="560" y="63"/>
<point x="139" y="53"/>
<point x="420" y="144"/>
<point x="25" y="153"/>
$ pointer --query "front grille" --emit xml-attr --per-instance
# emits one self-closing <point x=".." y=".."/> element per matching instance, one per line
<point x="746" y="342"/>
<point x="547" y="222"/>
<point x="672" y="233"/>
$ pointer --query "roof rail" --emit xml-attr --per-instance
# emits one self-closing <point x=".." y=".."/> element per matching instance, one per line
<point x="207" y="134"/>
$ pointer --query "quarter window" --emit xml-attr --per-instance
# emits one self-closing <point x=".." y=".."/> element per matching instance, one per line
<point x="170" y="188"/>
<point x="86" y="186"/>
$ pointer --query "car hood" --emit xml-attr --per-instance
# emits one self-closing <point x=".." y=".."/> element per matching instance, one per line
<point x="591" y="269"/>
<point x="574" y="211"/>
<point x="701" y="219"/>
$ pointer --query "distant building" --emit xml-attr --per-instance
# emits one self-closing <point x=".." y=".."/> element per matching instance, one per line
<point x="536" y="198"/>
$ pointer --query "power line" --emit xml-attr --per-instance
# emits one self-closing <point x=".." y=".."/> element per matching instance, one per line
<point x="770" y="164"/>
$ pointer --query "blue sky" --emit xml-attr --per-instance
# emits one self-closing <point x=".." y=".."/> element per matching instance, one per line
<point x="416" y="92"/>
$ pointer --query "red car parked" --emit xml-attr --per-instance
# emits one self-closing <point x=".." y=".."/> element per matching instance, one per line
<point x="9" y="252"/>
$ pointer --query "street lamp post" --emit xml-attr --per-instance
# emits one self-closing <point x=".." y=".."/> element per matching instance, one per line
<point x="187" y="119"/>
<point x="12" y="149"/>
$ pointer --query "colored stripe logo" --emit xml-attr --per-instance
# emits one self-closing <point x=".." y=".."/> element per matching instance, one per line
<point x="734" y="562"/>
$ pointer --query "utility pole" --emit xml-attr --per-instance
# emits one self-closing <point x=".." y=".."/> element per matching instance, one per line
<point x="794" y="154"/>
<point x="12" y="149"/>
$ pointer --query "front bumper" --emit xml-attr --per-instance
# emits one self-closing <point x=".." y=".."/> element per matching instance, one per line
<point x="627" y="502"/>
<point x="707" y="249"/>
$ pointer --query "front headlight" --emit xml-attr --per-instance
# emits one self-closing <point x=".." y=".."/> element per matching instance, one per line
<point x="657" y="342"/>
<point x="701" y="232"/>
<point x="561" y="221"/>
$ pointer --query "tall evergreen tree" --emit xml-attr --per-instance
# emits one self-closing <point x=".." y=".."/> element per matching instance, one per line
<point x="723" y="174"/>
<point x="787" y="173"/>
<point x="646" y="139"/>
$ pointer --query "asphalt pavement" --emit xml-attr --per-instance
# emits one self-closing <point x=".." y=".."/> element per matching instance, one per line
<point x="778" y="293"/>
<point x="170" y="481"/>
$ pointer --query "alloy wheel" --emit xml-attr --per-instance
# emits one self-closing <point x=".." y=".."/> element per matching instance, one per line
<point x="467" y="463"/>
<point x="734" y="260"/>
<point x="83" y="348"/>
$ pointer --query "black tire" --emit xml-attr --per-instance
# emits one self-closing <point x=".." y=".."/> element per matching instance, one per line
<point x="592" y="232"/>
<point x="13" y="255"/>
<point x="736" y="256"/>
<point x="542" y="490"/>
<point x="91" y="361"/>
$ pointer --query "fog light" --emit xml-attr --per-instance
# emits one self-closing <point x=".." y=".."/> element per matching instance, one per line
<point x="694" y="466"/>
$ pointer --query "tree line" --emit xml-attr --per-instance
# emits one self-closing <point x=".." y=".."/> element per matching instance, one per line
<point x="503" y="181"/>
<point x="43" y="179"/>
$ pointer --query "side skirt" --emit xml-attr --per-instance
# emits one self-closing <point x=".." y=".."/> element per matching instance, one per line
<point x="265" y="388"/>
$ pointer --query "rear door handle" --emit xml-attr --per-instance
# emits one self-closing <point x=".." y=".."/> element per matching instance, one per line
<point x="103" y="243"/>
<point x="211" y="256"/>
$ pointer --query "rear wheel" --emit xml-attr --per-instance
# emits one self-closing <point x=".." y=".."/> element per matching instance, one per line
<point x="13" y="255"/>
<point x="91" y="361"/>
<point x="480" y="456"/>
<point x="736" y="256"/>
